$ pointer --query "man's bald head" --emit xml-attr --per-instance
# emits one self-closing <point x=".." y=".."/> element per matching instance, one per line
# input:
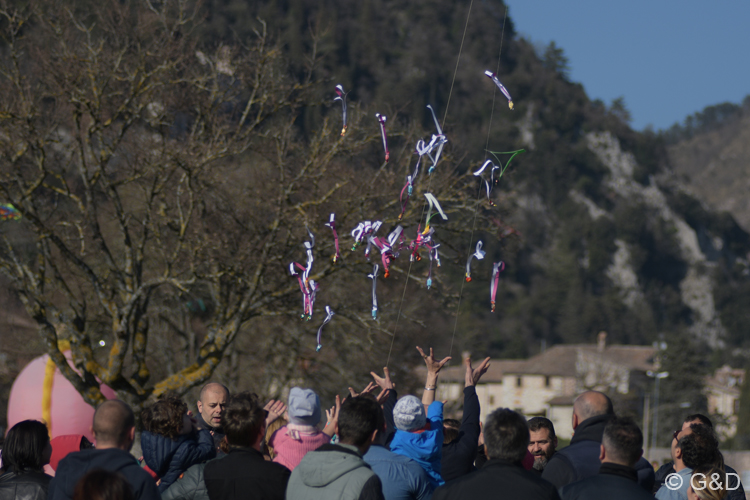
<point x="211" y="404"/>
<point x="213" y="387"/>
<point x="113" y="425"/>
<point x="592" y="404"/>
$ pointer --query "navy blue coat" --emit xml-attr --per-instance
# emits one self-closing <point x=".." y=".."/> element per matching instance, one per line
<point x="169" y="458"/>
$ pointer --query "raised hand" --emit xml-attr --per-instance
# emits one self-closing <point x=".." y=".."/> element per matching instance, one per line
<point x="473" y="375"/>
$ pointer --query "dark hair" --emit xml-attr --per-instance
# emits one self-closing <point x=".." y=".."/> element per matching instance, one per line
<point x="381" y="415"/>
<point x="358" y="419"/>
<point x="243" y="419"/>
<point x="623" y="441"/>
<point x="506" y="435"/>
<point x="100" y="484"/>
<point x="700" y="418"/>
<point x="24" y="447"/>
<point x="536" y="423"/>
<point x="451" y="430"/>
<point x="165" y="417"/>
<point x="700" y="447"/>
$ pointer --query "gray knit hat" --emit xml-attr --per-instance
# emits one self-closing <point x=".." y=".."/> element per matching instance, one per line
<point x="408" y="414"/>
<point x="304" y="407"/>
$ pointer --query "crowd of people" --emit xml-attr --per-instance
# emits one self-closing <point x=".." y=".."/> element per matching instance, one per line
<point x="369" y="447"/>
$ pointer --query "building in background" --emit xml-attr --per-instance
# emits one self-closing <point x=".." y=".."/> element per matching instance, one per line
<point x="723" y="393"/>
<point x="546" y="384"/>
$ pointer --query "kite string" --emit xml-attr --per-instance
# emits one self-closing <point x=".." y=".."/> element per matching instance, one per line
<point x="479" y="191"/>
<point x="461" y="48"/>
<point x="429" y="183"/>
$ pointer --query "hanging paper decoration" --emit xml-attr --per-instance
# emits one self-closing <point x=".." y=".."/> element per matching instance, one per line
<point x="381" y="120"/>
<point x="502" y="88"/>
<point x="332" y="224"/>
<point x="488" y="184"/>
<point x="438" y="141"/>
<point x="478" y="254"/>
<point x="329" y="315"/>
<point x="308" y="287"/>
<point x="374" y="278"/>
<point x="497" y="268"/>
<point x="433" y="203"/>
<point x="342" y="97"/>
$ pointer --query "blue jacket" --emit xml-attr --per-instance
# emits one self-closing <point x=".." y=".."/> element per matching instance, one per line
<point x="402" y="478"/>
<point x="169" y="458"/>
<point x="425" y="448"/>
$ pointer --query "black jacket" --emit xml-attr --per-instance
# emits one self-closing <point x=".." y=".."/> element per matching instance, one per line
<point x="581" y="459"/>
<point x="498" y="479"/>
<point x="77" y="464"/>
<point x="31" y="485"/>
<point x="459" y="455"/>
<point x="218" y="432"/>
<point x="614" y="482"/>
<point x="736" y="494"/>
<point x="244" y="473"/>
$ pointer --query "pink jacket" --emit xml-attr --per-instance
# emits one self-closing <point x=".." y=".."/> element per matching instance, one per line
<point x="290" y="451"/>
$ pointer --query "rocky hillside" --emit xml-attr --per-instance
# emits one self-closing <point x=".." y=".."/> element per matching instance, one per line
<point x="714" y="164"/>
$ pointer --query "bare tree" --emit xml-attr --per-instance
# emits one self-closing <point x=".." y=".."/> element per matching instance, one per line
<point x="163" y="191"/>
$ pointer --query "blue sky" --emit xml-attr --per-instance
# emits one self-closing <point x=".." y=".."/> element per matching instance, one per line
<point x="668" y="59"/>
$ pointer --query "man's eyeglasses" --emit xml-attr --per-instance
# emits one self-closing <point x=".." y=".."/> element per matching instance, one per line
<point x="676" y="433"/>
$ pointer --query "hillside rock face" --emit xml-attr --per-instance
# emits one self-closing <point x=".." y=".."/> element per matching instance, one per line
<point x="696" y="288"/>
<point x="714" y="166"/>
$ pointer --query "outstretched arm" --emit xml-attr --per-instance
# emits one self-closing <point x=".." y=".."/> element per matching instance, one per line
<point x="433" y="368"/>
<point x="470" y="429"/>
<point x="388" y="397"/>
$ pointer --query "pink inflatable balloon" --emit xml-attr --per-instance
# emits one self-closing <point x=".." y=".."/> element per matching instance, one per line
<point x="69" y="414"/>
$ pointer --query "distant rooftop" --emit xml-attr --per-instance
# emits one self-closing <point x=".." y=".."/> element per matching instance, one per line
<point x="560" y="360"/>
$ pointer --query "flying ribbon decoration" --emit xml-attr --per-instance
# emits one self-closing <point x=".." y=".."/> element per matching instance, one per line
<point x="388" y="252"/>
<point x="329" y="315"/>
<point x="408" y="189"/>
<point x="502" y="88"/>
<point x="332" y="224"/>
<point x="342" y="97"/>
<point x="440" y="140"/>
<point x="308" y="287"/>
<point x="382" y="119"/>
<point x="488" y="184"/>
<point x="497" y="268"/>
<point x="478" y="254"/>
<point x="513" y="154"/>
<point x="374" y="278"/>
<point x="433" y="203"/>
<point x="434" y="256"/>
<point x="304" y="288"/>
<point x="362" y="232"/>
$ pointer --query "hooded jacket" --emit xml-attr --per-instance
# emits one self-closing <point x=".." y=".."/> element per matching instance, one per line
<point x="424" y="447"/>
<point x="580" y="459"/>
<point x="334" y="472"/>
<point x="77" y="464"/>
<point x="169" y="458"/>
